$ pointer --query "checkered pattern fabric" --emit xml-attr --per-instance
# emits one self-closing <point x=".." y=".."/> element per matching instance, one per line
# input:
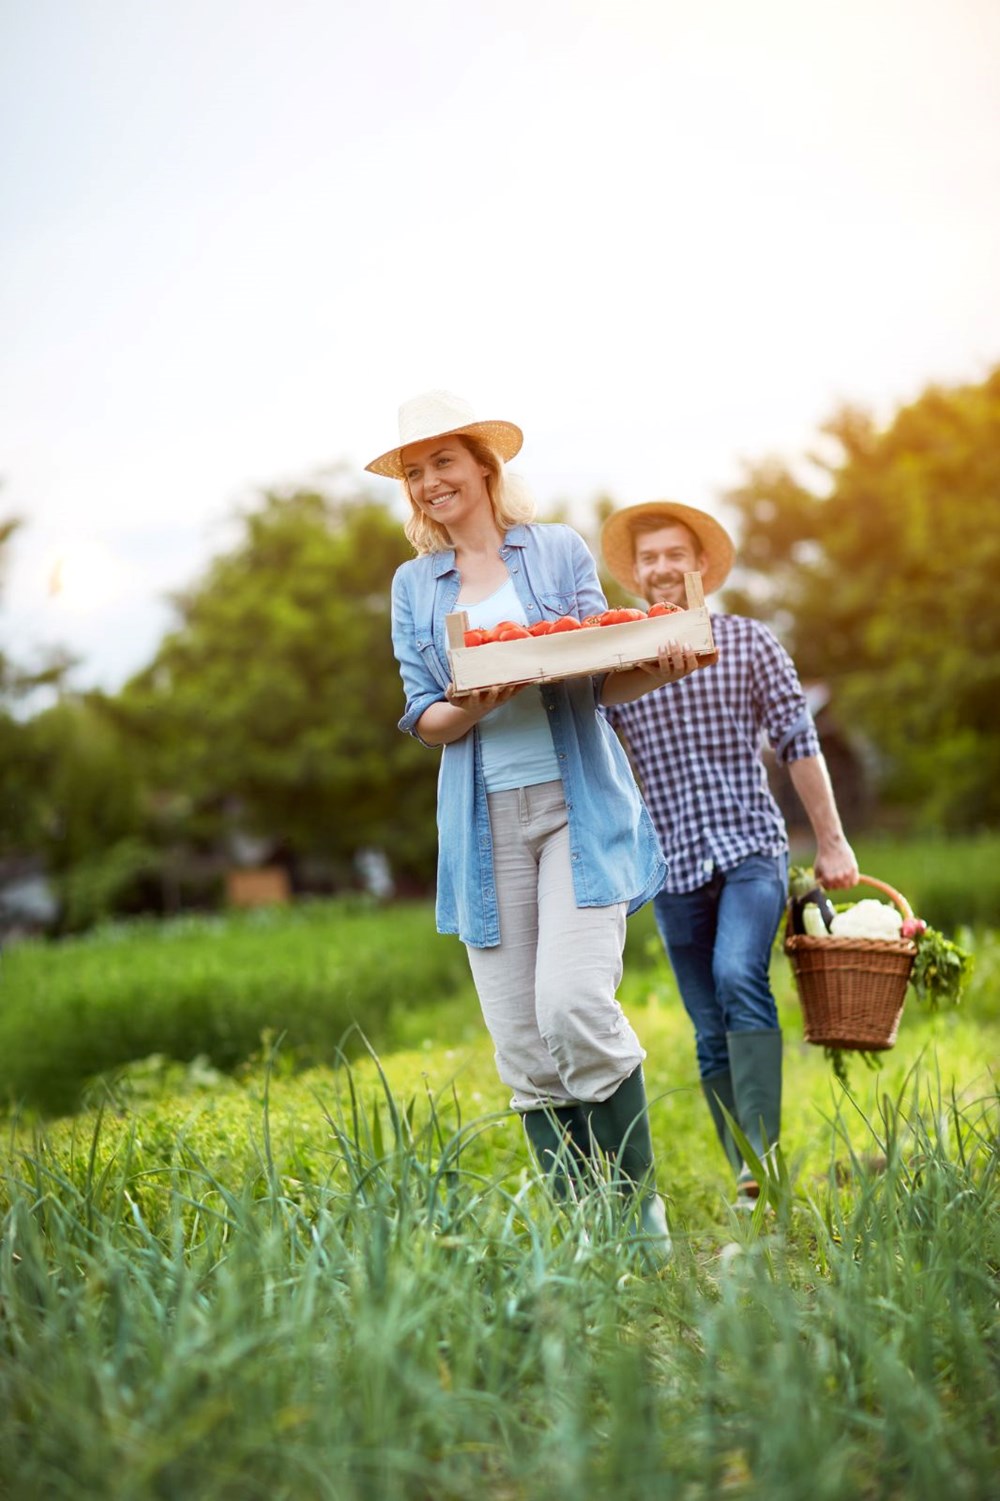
<point x="695" y="749"/>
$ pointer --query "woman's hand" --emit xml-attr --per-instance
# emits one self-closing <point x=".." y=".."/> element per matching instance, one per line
<point x="480" y="701"/>
<point x="454" y="716"/>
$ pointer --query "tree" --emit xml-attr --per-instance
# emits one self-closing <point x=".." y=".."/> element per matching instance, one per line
<point x="16" y="680"/>
<point x="21" y="781"/>
<point x="277" y="695"/>
<point x="884" y="578"/>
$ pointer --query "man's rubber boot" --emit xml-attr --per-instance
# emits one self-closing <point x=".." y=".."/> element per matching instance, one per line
<point x="755" y="1066"/>
<point x="620" y="1127"/>
<point x="719" y="1092"/>
<point x="558" y="1137"/>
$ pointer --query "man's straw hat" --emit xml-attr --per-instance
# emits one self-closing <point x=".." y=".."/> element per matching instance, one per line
<point x="437" y="414"/>
<point x="618" y="540"/>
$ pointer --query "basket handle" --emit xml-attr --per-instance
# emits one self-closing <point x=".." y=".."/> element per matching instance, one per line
<point x="899" y="900"/>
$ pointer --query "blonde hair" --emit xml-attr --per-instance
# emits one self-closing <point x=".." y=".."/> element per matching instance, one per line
<point x="509" y="499"/>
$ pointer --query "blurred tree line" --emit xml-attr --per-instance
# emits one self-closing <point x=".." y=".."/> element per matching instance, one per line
<point x="882" y="580"/>
<point x="268" y="714"/>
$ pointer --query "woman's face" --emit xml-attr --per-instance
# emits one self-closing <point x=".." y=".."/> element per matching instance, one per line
<point x="444" y="480"/>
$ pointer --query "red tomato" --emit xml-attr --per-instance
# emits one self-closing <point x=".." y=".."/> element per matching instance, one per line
<point x="621" y="614"/>
<point x="476" y="638"/>
<point x="510" y="632"/>
<point x="541" y="628"/>
<point x="502" y="625"/>
<point x="663" y="607"/>
<point x="565" y="623"/>
<point x="589" y="620"/>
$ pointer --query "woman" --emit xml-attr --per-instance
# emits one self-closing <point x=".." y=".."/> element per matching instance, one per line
<point x="545" y="845"/>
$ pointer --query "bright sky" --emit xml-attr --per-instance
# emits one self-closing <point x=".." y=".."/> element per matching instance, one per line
<point x="662" y="237"/>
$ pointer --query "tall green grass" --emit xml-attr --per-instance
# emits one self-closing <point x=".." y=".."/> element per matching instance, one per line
<point x="211" y="986"/>
<point x="397" y="1314"/>
<point x="280" y="1283"/>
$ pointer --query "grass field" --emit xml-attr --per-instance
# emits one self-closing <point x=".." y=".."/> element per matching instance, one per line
<point x="347" y="1282"/>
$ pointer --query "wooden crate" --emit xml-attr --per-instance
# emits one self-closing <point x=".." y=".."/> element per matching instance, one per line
<point x="605" y="648"/>
<point x="258" y="886"/>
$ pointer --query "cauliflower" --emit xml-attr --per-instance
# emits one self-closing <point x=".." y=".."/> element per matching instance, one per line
<point x="867" y="919"/>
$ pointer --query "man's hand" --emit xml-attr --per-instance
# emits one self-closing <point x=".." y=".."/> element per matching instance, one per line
<point x="672" y="663"/>
<point x="835" y="866"/>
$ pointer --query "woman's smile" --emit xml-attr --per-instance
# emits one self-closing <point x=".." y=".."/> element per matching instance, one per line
<point x="442" y="474"/>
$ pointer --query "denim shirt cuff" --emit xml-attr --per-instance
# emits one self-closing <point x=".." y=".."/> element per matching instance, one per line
<point x="414" y="711"/>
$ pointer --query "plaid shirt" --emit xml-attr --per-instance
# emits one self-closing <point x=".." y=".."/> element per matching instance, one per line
<point x="695" y="748"/>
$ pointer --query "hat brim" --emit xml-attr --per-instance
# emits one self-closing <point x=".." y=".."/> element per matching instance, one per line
<point x="503" y="437"/>
<point x="618" y="544"/>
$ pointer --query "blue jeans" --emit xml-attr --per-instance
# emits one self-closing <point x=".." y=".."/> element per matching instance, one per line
<point x="719" y="940"/>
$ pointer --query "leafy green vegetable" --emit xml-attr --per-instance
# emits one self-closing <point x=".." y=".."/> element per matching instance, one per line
<point x="940" y="970"/>
<point x="837" y="1058"/>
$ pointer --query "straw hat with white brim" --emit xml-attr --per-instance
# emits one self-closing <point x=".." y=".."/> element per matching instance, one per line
<point x="439" y="414"/>
<point x="619" y="533"/>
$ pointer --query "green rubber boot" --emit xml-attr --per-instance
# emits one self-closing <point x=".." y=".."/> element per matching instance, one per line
<point x="558" y="1137"/>
<point x="620" y="1127"/>
<point x="718" y="1090"/>
<point x="755" y="1065"/>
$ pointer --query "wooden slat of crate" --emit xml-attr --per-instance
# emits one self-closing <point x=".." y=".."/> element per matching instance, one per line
<point x="606" y="648"/>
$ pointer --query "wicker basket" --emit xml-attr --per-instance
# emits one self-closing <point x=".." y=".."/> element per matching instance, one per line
<point x="852" y="989"/>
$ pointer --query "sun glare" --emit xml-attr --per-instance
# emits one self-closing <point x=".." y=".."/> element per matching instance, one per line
<point x="84" y="578"/>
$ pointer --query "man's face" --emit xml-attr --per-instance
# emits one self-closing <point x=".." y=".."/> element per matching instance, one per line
<point x="662" y="558"/>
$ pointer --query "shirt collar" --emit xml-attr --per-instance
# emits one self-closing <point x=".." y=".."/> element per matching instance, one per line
<point x="444" y="562"/>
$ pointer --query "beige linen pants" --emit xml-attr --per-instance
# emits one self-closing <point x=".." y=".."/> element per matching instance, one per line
<point x="548" y="990"/>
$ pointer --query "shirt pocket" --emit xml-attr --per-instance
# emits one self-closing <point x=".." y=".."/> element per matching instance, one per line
<point x="556" y="602"/>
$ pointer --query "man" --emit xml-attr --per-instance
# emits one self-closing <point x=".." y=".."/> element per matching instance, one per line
<point x="695" y="746"/>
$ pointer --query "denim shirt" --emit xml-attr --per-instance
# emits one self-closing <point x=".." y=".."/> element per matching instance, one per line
<point x="616" y="855"/>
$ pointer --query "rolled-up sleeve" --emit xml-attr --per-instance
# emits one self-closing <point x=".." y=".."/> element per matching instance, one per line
<point x="782" y="703"/>
<point x="419" y="686"/>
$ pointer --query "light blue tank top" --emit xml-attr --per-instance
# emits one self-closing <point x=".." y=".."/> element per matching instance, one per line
<point x="514" y="739"/>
